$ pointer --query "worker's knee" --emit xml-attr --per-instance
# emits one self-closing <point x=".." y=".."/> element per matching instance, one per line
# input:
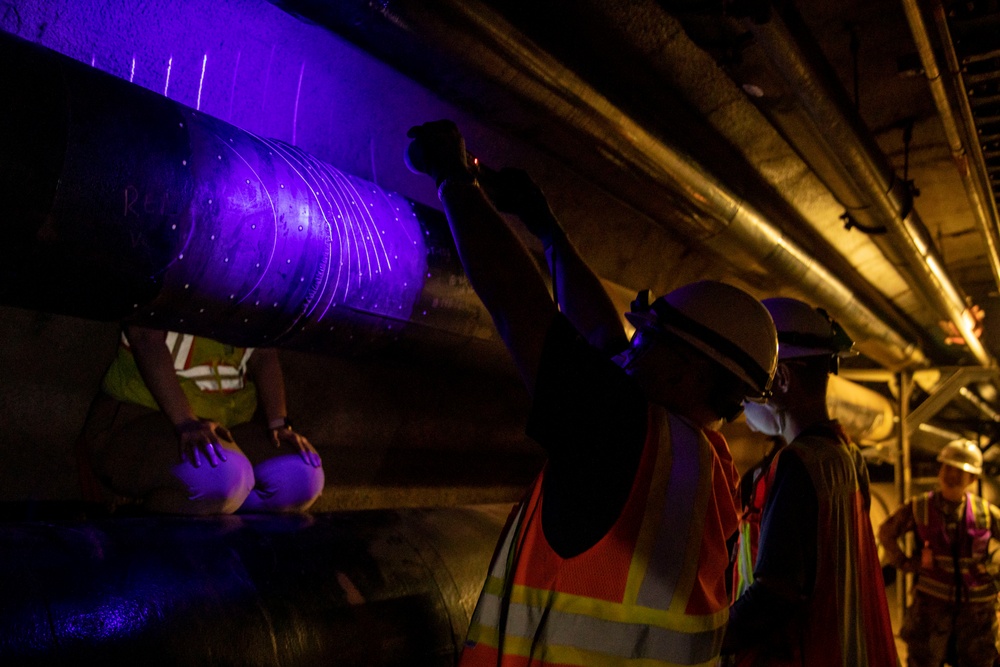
<point x="285" y="484"/>
<point x="206" y="489"/>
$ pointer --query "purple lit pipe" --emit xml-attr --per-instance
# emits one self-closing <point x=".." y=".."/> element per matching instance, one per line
<point x="129" y="205"/>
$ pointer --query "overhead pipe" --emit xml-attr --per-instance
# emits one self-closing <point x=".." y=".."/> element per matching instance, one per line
<point x="970" y="164"/>
<point x="666" y="184"/>
<point x="864" y="170"/>
<point x="122" y="204"/>
<point x="865" y="414"/>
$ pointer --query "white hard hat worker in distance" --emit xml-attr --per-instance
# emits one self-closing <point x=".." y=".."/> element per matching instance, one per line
<point x="704" y="330"/>
<point x="961" y="463"/>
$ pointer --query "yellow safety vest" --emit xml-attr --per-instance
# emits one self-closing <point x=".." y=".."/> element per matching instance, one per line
<point x="211" y="374"/>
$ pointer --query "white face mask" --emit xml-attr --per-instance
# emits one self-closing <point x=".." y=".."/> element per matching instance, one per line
<point x="764" y="418"/>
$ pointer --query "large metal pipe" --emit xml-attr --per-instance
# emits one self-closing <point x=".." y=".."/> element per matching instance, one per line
<point x="866" y="183"/>
<point x="371" y="589"/>
<point x="120" y="203"/>
<point x="587" y="130"/>
<point x="867" y="416"/>
<point x="970" y="164"/>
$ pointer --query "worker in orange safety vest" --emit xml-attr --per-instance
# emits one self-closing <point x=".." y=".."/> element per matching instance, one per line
<point x="618" y="555"/>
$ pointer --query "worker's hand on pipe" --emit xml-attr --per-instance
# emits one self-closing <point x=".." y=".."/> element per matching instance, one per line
<point x="201" y="438"/>
<point x="287" y="436"/>
<point x="512" y="191"/>
<point x="437" y="150"/>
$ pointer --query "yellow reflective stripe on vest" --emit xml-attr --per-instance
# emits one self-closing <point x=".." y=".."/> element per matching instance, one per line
<point x="615" y="612"/>
<point x="744" y="561"/>
<point x="564" y="633"/>
<point x="683" y="479"/>
<point x="942" y="591"/>
<point x="649" y="626"/>
<point x="980" y="511"/>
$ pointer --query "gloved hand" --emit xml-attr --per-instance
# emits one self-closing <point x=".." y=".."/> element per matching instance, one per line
<point x="437" y="150"/>
<point x="201" y="437"/>
<point x="286" y="435"/>
<point x="512" y="191"/>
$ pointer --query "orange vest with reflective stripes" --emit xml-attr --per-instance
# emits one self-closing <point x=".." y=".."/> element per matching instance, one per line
<point x="650" y="592"/>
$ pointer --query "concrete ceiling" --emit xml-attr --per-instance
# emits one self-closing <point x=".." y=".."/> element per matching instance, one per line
<point x="700" y="79"/>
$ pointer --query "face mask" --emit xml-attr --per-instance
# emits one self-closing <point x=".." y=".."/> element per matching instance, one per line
<point x="763" y="418"/>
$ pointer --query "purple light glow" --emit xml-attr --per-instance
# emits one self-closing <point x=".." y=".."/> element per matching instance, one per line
<point x="201" y="81"/>
<point x="229" y="227"/>
<point x="166" y="86"/>
<point x="341" y="105"/>
<point x="277" y="236"/>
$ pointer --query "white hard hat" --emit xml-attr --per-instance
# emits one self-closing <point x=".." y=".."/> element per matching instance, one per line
<point x="724" y="322"/>
<point x="964" y="455"/>
<point x="804" y="331"/>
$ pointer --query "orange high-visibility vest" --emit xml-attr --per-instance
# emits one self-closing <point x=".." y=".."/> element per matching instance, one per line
<point x="652" y="590"/>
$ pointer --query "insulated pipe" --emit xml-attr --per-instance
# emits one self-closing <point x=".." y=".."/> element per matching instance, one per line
<point x="120" y="203"/>
<point x="866" y="415"/>
<point x="885" y="200"/>
<point x="668" y="185"/>
<point x="371" y="589"/>
<point x="970" y="165"/>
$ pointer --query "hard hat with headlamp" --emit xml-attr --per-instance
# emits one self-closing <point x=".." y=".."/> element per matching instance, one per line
<point x="722" y="322"/>
<point x="805" y="331"/>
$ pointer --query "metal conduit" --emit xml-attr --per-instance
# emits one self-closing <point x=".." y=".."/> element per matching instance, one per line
<point x="477" y="37"/>
<point x="971" y="165"/>
<point x="886" y="199"/>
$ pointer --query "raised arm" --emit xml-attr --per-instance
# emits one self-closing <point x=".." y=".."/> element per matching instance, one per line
<point x="497" y="263"/>
<point x="578" y="291"/>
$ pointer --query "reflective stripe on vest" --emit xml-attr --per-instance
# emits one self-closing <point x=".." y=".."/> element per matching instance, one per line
<point x="219" y="378"/>
<point x="649" y="623"/>
<point x="939" y="580"/>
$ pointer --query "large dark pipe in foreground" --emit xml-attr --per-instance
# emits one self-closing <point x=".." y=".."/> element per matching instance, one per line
<point x="365" y="588"/>
<point x="119" y="203"/>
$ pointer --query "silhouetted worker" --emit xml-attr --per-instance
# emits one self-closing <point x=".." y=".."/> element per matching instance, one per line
<point x="956" y="589"/>
<point x="174" y="407"/>
<point x="619" y="552"/>
<point x="817" y="597"/>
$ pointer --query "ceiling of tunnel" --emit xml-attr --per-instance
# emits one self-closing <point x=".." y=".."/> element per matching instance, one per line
<point x="619" y="89"/>
<point x="691" y="79"/>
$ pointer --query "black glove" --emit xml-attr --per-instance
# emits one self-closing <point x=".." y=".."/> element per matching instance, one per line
<point x="437" y="150"/>
<point x="512" y="191"/>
